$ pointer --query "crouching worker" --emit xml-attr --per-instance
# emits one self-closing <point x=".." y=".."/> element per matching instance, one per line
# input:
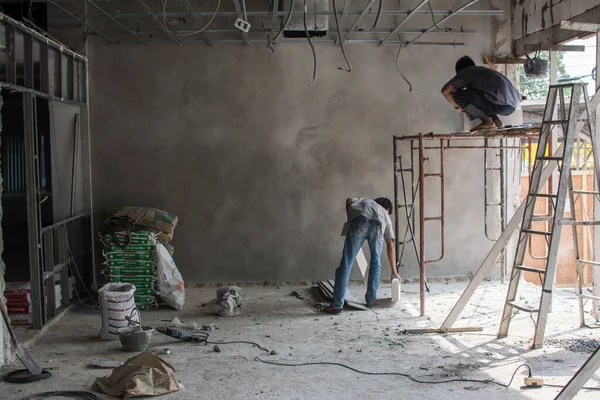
<point x="368" y="220"/>
<point x="482" y="93"/>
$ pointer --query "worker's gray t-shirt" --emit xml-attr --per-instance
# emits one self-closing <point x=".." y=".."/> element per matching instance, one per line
<point x="371" y="210"/>
<point x="495" y="86"/>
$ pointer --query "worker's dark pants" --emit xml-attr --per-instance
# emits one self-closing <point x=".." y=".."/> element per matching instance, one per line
<point x="476" y="105"/>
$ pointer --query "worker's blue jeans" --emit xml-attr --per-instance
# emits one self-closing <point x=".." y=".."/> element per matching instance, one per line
<point x="360" y="229"/>
<point x="476" y="105"/>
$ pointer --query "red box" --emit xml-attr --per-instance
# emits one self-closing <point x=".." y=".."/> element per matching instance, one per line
<point x="19" y="308"/>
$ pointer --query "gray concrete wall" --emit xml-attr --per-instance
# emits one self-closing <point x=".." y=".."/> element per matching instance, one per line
<point x="257" y="164"/>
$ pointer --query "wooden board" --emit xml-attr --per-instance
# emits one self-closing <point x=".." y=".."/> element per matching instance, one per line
<point x="350" y="300"/>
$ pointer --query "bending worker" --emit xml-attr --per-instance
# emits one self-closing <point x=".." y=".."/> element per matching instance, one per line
<point x="368" y="220"/>
<point x="481" y="92"/>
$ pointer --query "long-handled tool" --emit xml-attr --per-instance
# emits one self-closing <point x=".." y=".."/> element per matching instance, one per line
<point x="22" y="354"/>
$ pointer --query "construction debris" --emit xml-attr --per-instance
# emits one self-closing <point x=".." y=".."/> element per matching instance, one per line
<point x="576" y="345"/>
<point x="227" y="302"/>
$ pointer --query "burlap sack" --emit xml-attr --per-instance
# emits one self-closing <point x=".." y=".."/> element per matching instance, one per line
<point x="142" y="375"/>
<point x="151" y="218"/>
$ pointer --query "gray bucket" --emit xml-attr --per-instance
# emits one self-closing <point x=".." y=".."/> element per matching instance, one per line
<point x="135" y="338"/>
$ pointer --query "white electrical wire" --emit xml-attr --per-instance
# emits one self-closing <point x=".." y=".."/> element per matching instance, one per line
<point x="174" y="22"/>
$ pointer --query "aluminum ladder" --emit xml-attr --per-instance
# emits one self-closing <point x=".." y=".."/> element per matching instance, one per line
<point x="566" y="117"/>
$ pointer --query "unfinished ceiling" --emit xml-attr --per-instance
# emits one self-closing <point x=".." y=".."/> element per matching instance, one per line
<point x="212" y="22"/>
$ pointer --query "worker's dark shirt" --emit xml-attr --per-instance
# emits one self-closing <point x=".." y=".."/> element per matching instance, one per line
<point x="495" y="86"/>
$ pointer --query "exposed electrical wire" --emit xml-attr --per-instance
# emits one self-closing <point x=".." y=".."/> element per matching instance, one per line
<point x="378" y="16"/>
<point x="285" y="24"/>
<point x="312" y="47"/>
<point x="433" y="19"/>
<point x="337" y="25"/>
<point x="398" y="68"/>
<point x="63" y="393"/>
<point x="407" y="376"/>
<point x="175" y="22"/>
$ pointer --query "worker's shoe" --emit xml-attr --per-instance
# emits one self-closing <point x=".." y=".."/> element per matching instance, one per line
<point x="376" y="303"/>
<point x="332" y="310"/>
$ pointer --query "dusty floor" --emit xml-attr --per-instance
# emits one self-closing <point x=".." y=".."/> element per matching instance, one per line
<point x="363" y="339"/>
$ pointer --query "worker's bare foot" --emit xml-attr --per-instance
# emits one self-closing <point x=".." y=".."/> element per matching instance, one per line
<point x="486" y="123"/>
<point x="497" y="121"/>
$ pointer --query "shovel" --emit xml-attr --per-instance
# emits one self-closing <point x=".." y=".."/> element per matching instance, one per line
<point x="22" y="354"/>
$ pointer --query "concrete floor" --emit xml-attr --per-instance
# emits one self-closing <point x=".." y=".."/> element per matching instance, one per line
<point x="371" y="341"/>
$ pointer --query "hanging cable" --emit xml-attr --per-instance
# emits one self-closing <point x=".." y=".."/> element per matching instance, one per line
<point x="175" y="22"/>
<point x="285" y="24"/>
<point x="378" y="16"/>
<point x="60" y="393"/>
<point x="433" y="19"/>
<point x="398" y="68"/>
<point x="337" y="25"/>
<point x="312" y="47"/>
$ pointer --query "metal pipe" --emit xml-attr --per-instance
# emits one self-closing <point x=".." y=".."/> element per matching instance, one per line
<point x="198" y="20"/>
<point x="519" y="133"/>
<point x="63" y="222"/>
<point x="76" y="18"/>
<point x="404" y="21"/>
<point x="268" y="30"/>
<point x="409" y="214"/>
<point x="473" y="147"/>
<point x="116" y="21"/>
<point x="360" y="16"/>
<point x="421" y="227"/>
<point x="268" y="13"/>
<point x="446" y="18"/>
<point x="159" y="23"/>
<point x="296" y="41"/>
<point x="442" y="214"/>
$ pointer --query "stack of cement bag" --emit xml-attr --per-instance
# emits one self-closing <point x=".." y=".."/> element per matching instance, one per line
<point x="130" y="236"/>
<point x="160" y="222"/>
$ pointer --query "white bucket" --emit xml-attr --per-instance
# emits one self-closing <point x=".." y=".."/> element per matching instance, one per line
<point x="117" y="305"/>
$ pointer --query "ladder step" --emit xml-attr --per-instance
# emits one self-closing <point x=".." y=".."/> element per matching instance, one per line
<point x="549" y="158"/>
<point x="541" y="219"/>
<point x="534" y="232"/>
<point x="588" y="296"/>
<point x="404" y="205"/>
<point x="523" y="307"/>
<point x="494" y="204"/>
<point x="547" y="195"/>
<point x="596" y="263"/>
<point x="556" y="121"/>
<point x="581" y="223"/>
<point x="530" y="269"/>
<point x="494" y="169"/>
<point x="585" y="192"/>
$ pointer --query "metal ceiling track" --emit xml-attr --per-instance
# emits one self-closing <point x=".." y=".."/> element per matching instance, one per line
<point x="41" y="66"/>
<point x="222" y="34"/>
